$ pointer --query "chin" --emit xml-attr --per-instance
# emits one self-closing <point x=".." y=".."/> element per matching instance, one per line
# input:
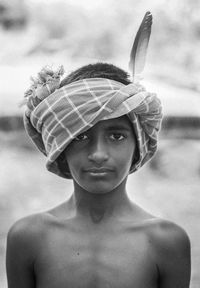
<point x="99" y="183"/>
<point x="100" y="190"/>
<point x="100" y="186"/>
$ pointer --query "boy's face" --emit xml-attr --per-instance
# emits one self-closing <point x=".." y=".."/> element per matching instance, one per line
<point x="100" y="158"/>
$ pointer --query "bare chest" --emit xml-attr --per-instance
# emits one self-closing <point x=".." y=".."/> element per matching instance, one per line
<point x="101" y="259"/>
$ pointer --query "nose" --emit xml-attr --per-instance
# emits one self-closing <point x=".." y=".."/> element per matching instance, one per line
<point x="98" y="152"/>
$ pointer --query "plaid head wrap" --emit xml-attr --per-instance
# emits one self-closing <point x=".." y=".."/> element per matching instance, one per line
<point x="53" y="122"/>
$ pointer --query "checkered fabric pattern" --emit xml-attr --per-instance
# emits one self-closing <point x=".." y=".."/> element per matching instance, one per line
<point x="76" y="107"/>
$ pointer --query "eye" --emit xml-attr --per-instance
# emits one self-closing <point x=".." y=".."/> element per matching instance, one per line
<point x="81" y="137"/>
<point x="117" y="136"/>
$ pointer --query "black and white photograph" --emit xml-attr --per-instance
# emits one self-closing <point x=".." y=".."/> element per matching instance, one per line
<point x="99" y="144"/>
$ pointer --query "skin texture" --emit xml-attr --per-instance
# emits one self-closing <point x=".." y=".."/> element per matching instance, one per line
<point x="101" y="147"/>
<point x="98" y="238"/>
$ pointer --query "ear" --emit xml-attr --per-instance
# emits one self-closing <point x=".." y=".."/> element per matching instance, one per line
<point x="140" y="45"/>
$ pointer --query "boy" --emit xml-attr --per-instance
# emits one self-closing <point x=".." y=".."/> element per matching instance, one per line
<point x="96" y="128"/>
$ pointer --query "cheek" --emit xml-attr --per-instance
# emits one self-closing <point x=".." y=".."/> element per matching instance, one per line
<point x="130" y="150"/>
<point x="76" y="158"/>
<point x="124" y="159"/>
<point x="73" y="160"/>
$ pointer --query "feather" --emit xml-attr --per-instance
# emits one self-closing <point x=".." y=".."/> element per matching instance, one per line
<point x="140" y="45"/>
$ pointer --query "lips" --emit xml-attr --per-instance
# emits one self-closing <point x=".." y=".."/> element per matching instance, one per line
<point x="101" y="170"/>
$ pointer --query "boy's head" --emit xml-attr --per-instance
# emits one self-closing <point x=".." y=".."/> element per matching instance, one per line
<point x="100" y="158"/>
<point x="83" y="99"/>
<point x="97" y="70"/>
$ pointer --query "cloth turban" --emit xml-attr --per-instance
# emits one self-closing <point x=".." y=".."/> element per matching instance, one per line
<point x="69" y="111"/>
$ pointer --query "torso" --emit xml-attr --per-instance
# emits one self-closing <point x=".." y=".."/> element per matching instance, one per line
<point x="116" y="254"/>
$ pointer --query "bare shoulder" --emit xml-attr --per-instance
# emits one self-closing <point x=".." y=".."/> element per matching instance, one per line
<point x="170" y="247"/>
<point x="28" y="225"/>
<point x="37" y="225"/>
<point x="168" y="235"/>
<point x="24" y="244"/>
<point x="26" y="232"/>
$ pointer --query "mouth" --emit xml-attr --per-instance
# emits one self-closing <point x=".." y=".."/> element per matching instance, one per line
<point x="98" y="171"/>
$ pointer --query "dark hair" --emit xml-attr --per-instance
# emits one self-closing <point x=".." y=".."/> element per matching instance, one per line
<point x="97" y="70"/>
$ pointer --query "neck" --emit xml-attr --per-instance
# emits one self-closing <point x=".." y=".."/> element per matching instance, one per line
<point x="100" y="207"/>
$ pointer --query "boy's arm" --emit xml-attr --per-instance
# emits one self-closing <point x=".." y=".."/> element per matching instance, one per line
<point x="173" y="256"/>
<point x="20" y="256"/>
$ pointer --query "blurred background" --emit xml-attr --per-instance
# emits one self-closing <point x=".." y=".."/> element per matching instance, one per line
<point x="38" y="33"/>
